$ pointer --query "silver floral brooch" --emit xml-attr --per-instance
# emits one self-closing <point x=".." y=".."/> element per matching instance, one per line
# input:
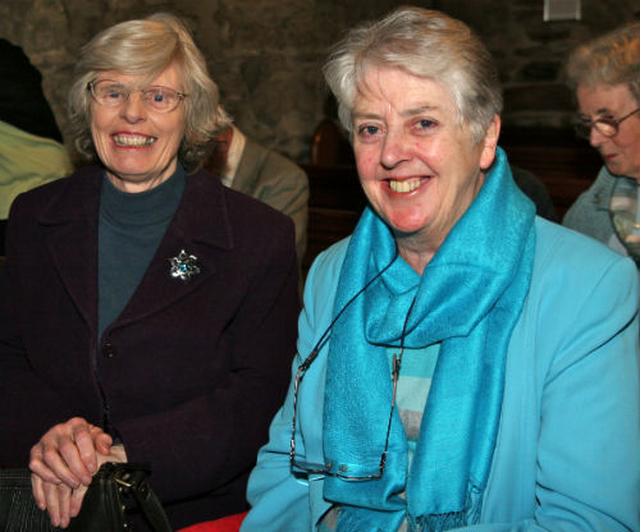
<point x="184" y="266"/>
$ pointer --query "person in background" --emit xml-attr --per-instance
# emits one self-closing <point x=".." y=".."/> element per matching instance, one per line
<point x="31" y="150"/>
<point x="147" y="313"/>
<point x="264" y="174"/>
<point x="462" y="363"/>
<point x="536" y="191"/>
<point x="605" y="76"/>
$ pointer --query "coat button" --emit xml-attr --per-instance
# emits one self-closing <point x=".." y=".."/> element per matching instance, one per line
<point x="108" y="351"/>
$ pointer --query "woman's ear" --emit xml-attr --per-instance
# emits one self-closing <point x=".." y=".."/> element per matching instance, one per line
<point x="490" y="143"/>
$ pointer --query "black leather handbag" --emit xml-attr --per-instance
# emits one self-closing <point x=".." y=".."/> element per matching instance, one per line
<point x="114" y="490"/>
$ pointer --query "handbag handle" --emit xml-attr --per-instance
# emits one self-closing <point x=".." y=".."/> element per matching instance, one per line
<point x="133" y="477"/>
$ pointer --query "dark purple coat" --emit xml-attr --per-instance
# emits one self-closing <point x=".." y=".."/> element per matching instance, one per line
<point x="192" y="371"/>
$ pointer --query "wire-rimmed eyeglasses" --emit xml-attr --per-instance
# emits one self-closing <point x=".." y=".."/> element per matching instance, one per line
<point x="606" y="126"/>
<point x="330" y="469"/>
<point x="158" y="98"/>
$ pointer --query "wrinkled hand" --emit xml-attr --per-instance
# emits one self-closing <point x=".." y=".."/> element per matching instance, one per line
<point x="62" y="465"/>
<point x="68" y="453"/>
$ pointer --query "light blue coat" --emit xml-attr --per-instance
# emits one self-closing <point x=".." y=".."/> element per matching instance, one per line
<point x="568" y="449"/>
<point x="590" y="213"/>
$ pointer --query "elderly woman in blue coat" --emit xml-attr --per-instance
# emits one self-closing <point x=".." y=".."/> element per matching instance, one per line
<point x="462" y="364"/>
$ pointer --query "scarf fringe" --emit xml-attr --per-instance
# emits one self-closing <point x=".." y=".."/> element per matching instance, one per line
<point x="449" y="520"/>
<point x="439" y="523"/>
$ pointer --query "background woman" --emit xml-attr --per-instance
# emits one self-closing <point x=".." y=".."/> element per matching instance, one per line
<point x="605" y="75"/>
<point x="461" y="363"/>
<point x="151" y="311"/>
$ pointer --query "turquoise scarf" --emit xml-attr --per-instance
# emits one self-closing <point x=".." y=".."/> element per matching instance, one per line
<point x="469" y="299"/>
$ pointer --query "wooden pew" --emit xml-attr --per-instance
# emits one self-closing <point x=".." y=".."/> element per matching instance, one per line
<point x="335" y="204"/>
<point x="565" y="164"/>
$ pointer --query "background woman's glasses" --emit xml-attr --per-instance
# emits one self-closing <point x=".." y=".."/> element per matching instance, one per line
<point x="605" y="126"/>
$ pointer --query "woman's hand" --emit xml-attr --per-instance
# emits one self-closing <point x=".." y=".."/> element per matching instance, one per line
<point x="68" y="453"/>
<point x="63" y="463"/>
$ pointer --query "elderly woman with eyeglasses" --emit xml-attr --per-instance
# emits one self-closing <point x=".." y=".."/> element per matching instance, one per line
<point x="605" y="75"/>
<point x="149" y="313"/>
<point x="462" y="364"/>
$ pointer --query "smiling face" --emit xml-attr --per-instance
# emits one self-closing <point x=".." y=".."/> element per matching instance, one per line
<point x="621" y="153"/>
<point x="419" y="168"/>
<point x="138" y="146"/>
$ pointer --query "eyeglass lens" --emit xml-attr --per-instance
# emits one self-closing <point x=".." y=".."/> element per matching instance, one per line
<point x="605" y="127"/>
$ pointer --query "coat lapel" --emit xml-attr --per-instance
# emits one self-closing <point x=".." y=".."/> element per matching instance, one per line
<point x="70" y="226"/>
<point x="191" y="230"/>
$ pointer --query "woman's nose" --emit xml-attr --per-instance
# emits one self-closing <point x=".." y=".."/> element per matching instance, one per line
<point x="134" y="109"/>
<point x="596" y="138"/>
<point x="394" y="149"/>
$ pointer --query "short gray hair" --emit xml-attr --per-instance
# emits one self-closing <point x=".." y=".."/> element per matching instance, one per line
<point x="424" y="43"/>
<point x="146" y="47"/>
<point x="611" y="59"/>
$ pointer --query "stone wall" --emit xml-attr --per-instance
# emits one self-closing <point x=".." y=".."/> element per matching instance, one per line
<point x="266" y="54"/>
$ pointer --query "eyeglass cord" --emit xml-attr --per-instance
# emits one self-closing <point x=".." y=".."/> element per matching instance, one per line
<point x="318" y="347"/>
<point x="325" y="335"/>
<point x="396" y="364"/>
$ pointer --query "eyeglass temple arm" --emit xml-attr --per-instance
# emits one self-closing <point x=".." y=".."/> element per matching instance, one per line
<point x="396" y="361"/>
<point x="299" y="375"/>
